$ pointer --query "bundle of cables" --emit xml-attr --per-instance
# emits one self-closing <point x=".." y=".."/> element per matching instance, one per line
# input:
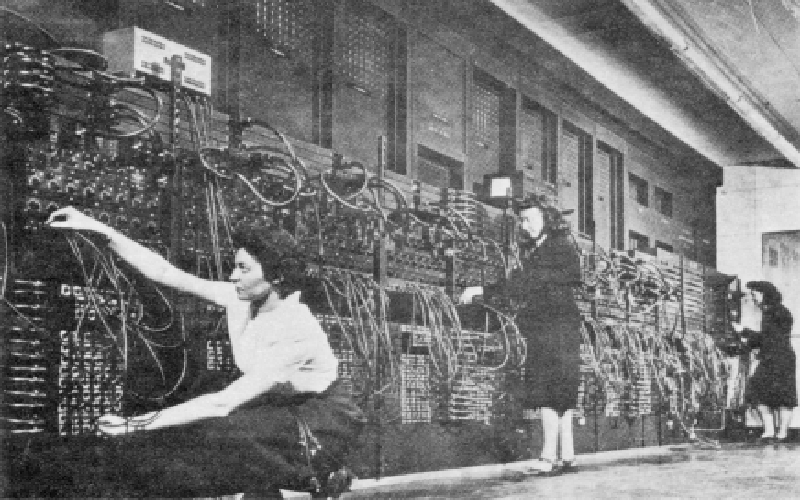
<point x="360" y="307"/>
<point x="124" y="320"/>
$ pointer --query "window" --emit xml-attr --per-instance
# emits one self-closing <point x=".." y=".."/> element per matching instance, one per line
<point x="287" y="26"/>
<point x="539" y="137"/>
<point x="439" y="170"/>
<point x="774" y="257"/>
<point x="363" y="51"/>
<point x="637" y="188"/>
<point x="665" y="246"/>
<point x="492" y="125"/>
<point x="616" y="195"/>
<point x="663" y="201"/>
<point x="367" y="58"/>
<point x="486" y="95"/>
<point x="638" y="241"/>
<point x="581" y="159"/>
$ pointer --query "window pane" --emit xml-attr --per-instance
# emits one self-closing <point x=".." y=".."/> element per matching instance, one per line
<point x="286" y="24"/>
<point x="638" y="189"/>
<point x="486" y="114"/>
<point x="663" y="201"/>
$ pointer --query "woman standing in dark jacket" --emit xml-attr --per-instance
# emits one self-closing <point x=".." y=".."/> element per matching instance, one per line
<point x="540" y="291"/>
<point x="772" y="388"/>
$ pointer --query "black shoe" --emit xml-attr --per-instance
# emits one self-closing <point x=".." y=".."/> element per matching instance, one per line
<point x="568" y="466"/>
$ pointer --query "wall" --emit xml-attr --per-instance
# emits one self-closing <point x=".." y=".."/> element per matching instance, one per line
<point x="690" y="230"/>
<point x="483" y="38"/>
<point x="753" y="201"/>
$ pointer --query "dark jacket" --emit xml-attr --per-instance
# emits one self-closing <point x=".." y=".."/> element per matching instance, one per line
<point x="541" y="295"/>
<point x="773" y="383"/>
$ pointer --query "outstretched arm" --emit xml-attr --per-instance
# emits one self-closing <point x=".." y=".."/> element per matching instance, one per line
<point x="149" y="263"/>
<point x="214" y="405"/>
<point x="284" y="368"/>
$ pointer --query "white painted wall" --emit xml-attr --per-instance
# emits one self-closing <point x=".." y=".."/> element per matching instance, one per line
<point x="753" y="201"/>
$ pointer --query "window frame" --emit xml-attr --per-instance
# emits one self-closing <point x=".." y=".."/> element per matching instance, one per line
<point x="639" y="238"/>
<point x="660" y="196"/>
<point x="638" y="186"/>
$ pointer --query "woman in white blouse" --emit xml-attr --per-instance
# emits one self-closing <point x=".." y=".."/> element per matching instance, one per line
<point x="244" y="436"/>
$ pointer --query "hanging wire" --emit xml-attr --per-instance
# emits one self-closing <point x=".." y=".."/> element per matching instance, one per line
<point x="104" y="268"/>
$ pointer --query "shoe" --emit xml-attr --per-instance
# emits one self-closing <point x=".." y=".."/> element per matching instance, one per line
<point x="765" y="440"/>
<point x="541" y="467"/>
<point x="568" y="466"/>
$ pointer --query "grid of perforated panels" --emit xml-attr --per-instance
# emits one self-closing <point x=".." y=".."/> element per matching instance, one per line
<point x="485" y="114"/>
<point x="363" y="51"/>
<point x="287" y="25"/>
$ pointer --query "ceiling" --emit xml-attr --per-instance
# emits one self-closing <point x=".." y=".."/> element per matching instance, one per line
<point x="758" y="41"/>
<point x="740" y="106"/>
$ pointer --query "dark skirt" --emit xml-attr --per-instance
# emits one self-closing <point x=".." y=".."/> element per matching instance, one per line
<point x="773" y="384"/>
<point x="552" y="367"/>
<point x="255" y="450"/>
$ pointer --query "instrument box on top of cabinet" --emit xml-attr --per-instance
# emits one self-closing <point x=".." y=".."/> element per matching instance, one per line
<point x="132" y="50"/>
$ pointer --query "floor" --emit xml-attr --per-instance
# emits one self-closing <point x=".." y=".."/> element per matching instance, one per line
<point x="734" y="470"/>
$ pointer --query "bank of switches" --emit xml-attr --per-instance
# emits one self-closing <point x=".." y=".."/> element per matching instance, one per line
<point x="122" y="188"/>
<point x="29" y="360"/>
<point x="60" y="373"/>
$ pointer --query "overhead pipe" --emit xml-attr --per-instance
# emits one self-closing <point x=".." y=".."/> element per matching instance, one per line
<point x="535" y="20"/>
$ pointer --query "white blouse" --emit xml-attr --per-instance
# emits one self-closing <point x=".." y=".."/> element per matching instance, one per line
<point x="286" y="344"/>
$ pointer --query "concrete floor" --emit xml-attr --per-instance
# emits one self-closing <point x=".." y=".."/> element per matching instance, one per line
<point x="732" y="471"/>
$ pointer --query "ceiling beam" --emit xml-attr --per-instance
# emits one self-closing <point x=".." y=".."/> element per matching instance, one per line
<point x="588" y="16"/>
<point x="667" y="23"/>
<point x="633" y="85"/>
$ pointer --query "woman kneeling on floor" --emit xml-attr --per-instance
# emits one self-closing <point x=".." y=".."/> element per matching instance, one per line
<point x="239" y="438"/>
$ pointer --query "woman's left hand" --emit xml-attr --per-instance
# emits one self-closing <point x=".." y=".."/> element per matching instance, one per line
<point x="114" y="425"/>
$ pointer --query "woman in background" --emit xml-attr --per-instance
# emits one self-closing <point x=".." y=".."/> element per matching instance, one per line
<point x="540" y="291"/>
<point x="772" y="388"/>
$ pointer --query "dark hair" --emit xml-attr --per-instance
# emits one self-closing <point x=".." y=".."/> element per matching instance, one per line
<point x="554" y="221"/>
<point x="772" y="297"/>
<point x="278" y="253"/>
